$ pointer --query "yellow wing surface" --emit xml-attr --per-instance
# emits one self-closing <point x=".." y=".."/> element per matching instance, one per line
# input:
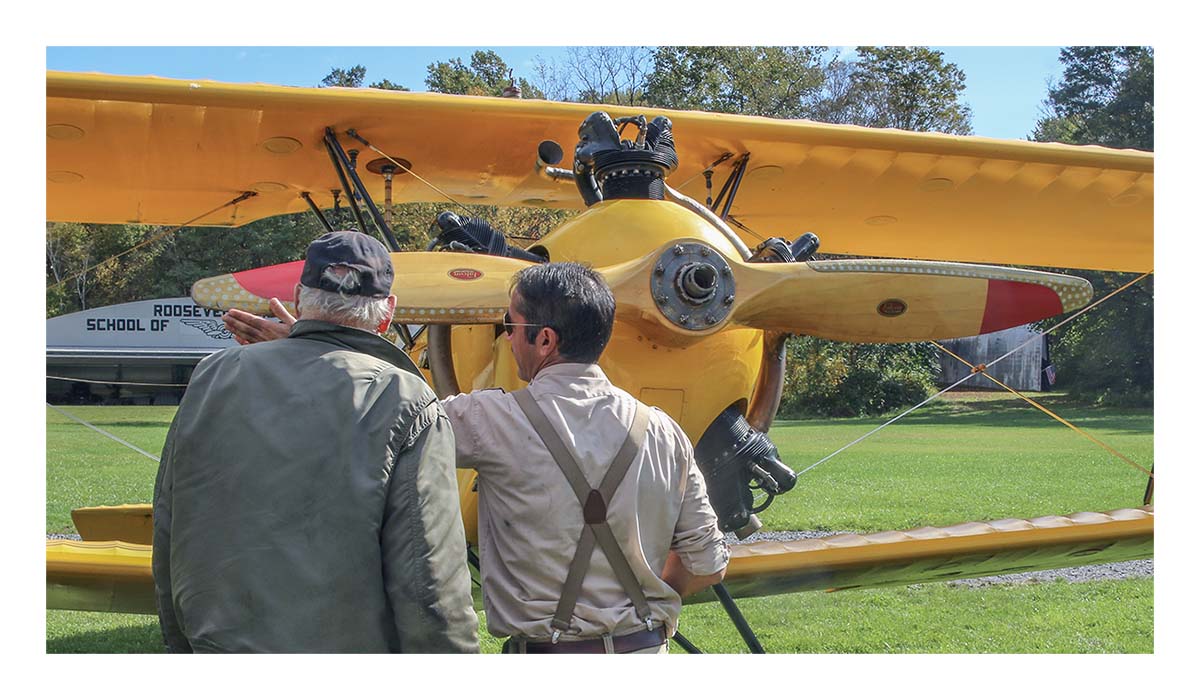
<point x="111" y="576"/>
<point x="165" y="151"/>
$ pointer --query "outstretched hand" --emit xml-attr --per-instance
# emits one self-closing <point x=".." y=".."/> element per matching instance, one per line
<point x="248" y="328"/>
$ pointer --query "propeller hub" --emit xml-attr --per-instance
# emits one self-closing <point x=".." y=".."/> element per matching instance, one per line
<point x="697" y="283"/>
<point x="693" y="286"/>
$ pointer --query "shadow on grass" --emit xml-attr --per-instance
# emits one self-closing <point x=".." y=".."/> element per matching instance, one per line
<point x="128" y="639"/>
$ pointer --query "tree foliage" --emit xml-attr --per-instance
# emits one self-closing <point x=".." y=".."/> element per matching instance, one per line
<point x="354" y="76"/>
<point x="345" y="77"/>
<point x="909" y="87"/>
<point x="1106" y="98"/>
<point x="487" y="75"/>
<point x="828" y="378"/>
<point x="768" y="81"/>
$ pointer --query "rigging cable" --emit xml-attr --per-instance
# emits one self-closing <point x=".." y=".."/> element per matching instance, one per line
<point x="99" y="381"/>
<point x="408" y="170"/>
<point x="980" y="368"/>
<point x="747" y="229"/>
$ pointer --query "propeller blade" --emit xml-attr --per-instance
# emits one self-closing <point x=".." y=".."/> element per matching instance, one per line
<point x="250" y="290"/>
<point x="888" y="301"/>
<point x="429" y="287"/>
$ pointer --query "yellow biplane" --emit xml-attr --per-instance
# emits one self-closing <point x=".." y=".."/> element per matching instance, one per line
<point x="701" y="314"/>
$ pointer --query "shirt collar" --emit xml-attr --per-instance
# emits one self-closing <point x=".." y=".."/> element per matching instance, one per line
<point x="354" y="339"/>
<point x="588" y="371"/>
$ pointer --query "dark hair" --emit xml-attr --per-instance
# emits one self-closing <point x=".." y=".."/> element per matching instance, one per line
<point x="571" y="298"/>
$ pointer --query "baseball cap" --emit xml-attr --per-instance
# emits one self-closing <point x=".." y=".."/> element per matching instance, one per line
<point x="355" y="250"/>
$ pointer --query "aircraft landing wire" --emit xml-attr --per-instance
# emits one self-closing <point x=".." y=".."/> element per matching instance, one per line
<point x="989" y="364"/>
<point x="235" y="200"/>
<point x="102" y="432"/>
<point x="1035" y="404"/>
<point x="101" y="381"/>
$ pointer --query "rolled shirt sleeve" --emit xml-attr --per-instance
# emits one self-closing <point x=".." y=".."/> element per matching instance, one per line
<point x="697" y="539"/>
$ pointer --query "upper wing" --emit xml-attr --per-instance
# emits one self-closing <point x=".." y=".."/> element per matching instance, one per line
<point x="164" y="151"/>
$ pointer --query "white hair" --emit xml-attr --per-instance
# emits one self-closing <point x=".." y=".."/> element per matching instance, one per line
<point x="352" y="310"/>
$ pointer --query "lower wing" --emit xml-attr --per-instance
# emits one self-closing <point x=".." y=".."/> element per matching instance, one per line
<point x="115" y="576"/>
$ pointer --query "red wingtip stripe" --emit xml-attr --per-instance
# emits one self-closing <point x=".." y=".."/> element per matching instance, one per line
<point x="1012" y="304"/>
<point x="273" y="281"/>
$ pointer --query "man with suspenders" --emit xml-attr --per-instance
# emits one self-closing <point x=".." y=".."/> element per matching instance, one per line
<point x="594" y="522"/>
<point x="593" y="516"/>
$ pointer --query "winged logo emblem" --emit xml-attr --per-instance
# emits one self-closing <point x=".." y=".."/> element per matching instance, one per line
<point x="213" y="328"/>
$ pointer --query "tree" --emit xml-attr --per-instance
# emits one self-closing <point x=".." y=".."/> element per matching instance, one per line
<point x="598" y="74"/>
<point x="768" y="81"/>
<point x="81" y="271"/>
<point x="1106" y="98"/>
<point x="487" y="75"/>
<point x="345" y="77"/>
<point x="386" y="84"/>
<point x="911" y="88"/>
<point x="353" y="77"/>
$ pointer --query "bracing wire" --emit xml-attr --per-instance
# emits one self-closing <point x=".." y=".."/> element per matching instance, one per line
<point x="980" y="369"/>
<point x="105" y="433"/>
<point x="148" y="241"/>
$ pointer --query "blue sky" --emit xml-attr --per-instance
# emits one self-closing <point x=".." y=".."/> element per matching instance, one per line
<point x="1005" y="85"/>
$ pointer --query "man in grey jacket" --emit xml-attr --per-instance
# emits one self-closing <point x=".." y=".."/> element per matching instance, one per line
<point x="306" y="499"/>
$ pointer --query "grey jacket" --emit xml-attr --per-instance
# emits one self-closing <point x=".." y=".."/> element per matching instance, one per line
<point x="306" y="502"/>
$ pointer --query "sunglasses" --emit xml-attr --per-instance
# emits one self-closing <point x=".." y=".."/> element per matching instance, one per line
<point x="509" y="325"/>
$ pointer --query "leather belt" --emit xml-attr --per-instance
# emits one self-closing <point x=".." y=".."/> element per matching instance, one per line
<point x="642" y="639"/>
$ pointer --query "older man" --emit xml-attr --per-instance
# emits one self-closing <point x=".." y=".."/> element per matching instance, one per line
<point x="593" y="517"/>
<point x="306" y="499"/>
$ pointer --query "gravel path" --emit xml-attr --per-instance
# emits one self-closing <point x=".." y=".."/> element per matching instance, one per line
<point x="1141" y="568"/>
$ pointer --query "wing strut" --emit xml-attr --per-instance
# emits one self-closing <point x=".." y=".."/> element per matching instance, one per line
<point x="317" y="210"/>
<point x="734" y="180"/>
<point x="739" y="621"/>
<point x="345" y="167"/>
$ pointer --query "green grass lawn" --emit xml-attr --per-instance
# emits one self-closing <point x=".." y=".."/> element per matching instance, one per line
<point x="975" y="456"/>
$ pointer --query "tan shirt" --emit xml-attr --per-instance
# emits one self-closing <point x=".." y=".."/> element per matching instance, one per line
<point x="530" y="520"/>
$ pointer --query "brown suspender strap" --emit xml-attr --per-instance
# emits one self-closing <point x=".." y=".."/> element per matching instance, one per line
<point x="595" y="506"/>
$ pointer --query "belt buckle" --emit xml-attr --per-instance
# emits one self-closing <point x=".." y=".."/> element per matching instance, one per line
<point x="554" y="636"/>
